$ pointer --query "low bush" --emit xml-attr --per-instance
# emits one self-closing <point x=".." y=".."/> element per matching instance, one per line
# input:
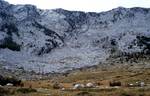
<point x="10" y="44"/>
<point x="26" y="90"/>
<point x="84" y="94"/>
<point x="6" y="80"/>
<point x="56" y="86"/>
<point x="127" y="94"/>
<point x="115" y="83"/>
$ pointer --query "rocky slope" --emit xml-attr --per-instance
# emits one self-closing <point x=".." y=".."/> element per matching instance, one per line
<point x="59" y="40"/>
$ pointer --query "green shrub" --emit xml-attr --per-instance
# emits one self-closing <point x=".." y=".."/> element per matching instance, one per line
<point x="11" y="28"/>
<point x="26" y="90"/>
<point x="84" y="94"/>
<point x="97" y="90"/>
<point x="127" y="94"/>
<point x="10" y="44"/>
<point x="115" y="83"/>
<point x="6" y="80"/>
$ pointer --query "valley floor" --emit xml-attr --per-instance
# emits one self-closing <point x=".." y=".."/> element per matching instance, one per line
<point x="126" y="74"/>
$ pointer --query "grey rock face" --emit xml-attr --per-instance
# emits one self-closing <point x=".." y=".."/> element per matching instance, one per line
<point x="59" y="40"/>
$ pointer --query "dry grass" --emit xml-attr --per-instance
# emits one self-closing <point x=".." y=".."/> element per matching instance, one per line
<point x="125" y="75"/>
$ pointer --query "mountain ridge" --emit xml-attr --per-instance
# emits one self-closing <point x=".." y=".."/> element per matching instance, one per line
<point x="58" y="40"/>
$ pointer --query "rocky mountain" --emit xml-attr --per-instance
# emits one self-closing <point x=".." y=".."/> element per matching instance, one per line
<point x="59" y="40"/>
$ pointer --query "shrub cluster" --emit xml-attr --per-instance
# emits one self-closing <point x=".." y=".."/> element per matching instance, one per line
<point x="26" y="90"/>
<point x="12" y="80"/>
